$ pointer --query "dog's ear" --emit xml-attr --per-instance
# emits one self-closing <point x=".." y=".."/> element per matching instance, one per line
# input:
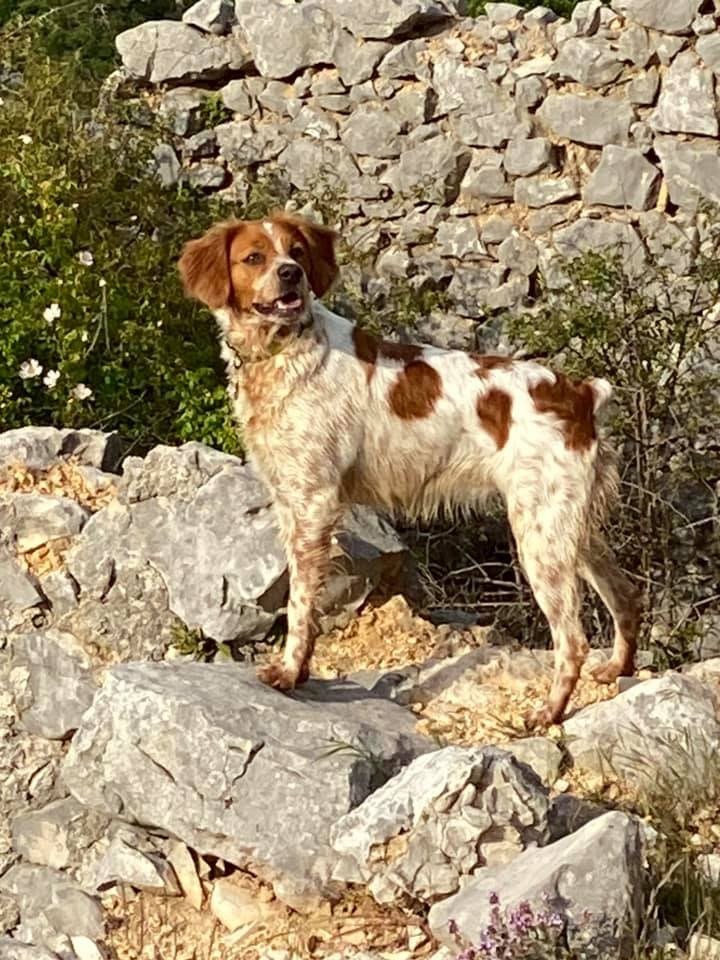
<point x="204" y="265"/>
<point x="320" y="242"/>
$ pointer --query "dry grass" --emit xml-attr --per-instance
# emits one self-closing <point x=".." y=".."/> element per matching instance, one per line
<point x="46" y="558"/>
<point x="488" y="704"/>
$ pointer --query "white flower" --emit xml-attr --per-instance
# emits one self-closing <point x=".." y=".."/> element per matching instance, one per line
<point x="84" y="336"/>
<point x="30" y="369"/>
<point x="51" y="378"/>
<point x="86" y="258"/>
<point x="1" y="101"/>
<point x="81" y="392"/>
<point x="25" y="138"/>
<point x="102" y="282"/>
<point x="52" y="313"/>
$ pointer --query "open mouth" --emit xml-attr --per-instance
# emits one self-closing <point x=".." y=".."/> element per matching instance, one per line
<point x="288" y="305"/>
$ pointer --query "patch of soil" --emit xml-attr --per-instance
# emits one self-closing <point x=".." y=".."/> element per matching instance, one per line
<point x="387" y="637"/>
<point x="65" y="479"/>
<point x="488" y="704"/>
<point x="153" y="927"/>
<point x="492" y="704"/>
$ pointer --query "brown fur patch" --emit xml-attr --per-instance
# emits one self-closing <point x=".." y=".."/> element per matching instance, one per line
<point x="493" y="409"/>
<point x="416" y="391"/>
<point x="487" y="362"/>
<point x="404" y="352"/>
<point x="366" y="350"/>
<point x="319" y="242"/>
<point x="573" y="404"/>
<point x="204" y="265"/>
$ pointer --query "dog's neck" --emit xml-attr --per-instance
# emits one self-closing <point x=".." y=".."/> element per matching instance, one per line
<point x="246" y="341"/>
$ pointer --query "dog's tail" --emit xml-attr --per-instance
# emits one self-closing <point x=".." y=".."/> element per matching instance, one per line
<point x="606" y="477"/>
<point x="601" y="390"/>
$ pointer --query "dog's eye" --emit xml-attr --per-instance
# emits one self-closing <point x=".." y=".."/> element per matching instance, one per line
<point x="254" y="259"/>
<point x="297" y="252"/>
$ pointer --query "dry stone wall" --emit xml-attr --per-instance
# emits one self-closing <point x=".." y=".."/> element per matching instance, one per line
<point x="462" y="152"/>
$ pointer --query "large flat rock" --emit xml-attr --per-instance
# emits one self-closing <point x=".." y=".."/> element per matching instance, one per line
<point x="236" y="769"/>
<point x="167" y="51"/>
<point x="41" y="447"/>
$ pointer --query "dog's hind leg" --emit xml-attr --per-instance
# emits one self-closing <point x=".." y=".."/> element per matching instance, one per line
<point x="600" y="568"/>
<point x="547" y="531"/>
<point x="307" y="523"/>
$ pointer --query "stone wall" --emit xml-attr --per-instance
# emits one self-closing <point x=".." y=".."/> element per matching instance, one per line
<point x="464" y="152"/>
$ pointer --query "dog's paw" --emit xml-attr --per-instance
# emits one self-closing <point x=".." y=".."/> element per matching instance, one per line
<point x="540" y="719"/>
<point x="276" y="674"/>
<point x="610" y="671"/>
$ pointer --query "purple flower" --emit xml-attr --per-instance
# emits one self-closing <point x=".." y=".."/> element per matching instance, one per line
<point x="487" y="944"/>
<point x="520" y="933"/>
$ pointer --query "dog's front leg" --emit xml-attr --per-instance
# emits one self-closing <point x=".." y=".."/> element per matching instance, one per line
<point x="307" y="524"/>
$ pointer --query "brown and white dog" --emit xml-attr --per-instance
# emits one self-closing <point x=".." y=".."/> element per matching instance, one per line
<point x="332" y="415"/>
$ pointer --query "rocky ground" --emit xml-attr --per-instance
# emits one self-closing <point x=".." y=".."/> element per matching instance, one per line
<point x="156" y="805"/>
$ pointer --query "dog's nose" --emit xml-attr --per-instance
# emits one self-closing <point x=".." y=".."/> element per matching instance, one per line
<point x="290" y="272"/>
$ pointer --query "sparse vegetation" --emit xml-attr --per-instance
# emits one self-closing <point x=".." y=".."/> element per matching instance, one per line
<point x="563" y="8"/>
<point x="679" y="801"/>
<point x="654" y="335"/>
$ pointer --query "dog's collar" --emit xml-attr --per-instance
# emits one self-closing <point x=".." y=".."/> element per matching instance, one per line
<point x="275" y="348"/>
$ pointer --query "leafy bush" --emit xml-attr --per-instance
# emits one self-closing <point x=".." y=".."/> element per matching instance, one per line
<point x="655" y="335"/>
<point x="94" y="328"/>
<point x="81" y="32"/>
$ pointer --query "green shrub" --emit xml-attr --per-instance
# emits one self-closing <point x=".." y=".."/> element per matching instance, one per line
<point x="654" y="335"/>
<point x="88" y="286"/>
<point x="81" y="32"/>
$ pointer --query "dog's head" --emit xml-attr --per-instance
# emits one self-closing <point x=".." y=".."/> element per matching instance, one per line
<point x="261" y="270"/>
